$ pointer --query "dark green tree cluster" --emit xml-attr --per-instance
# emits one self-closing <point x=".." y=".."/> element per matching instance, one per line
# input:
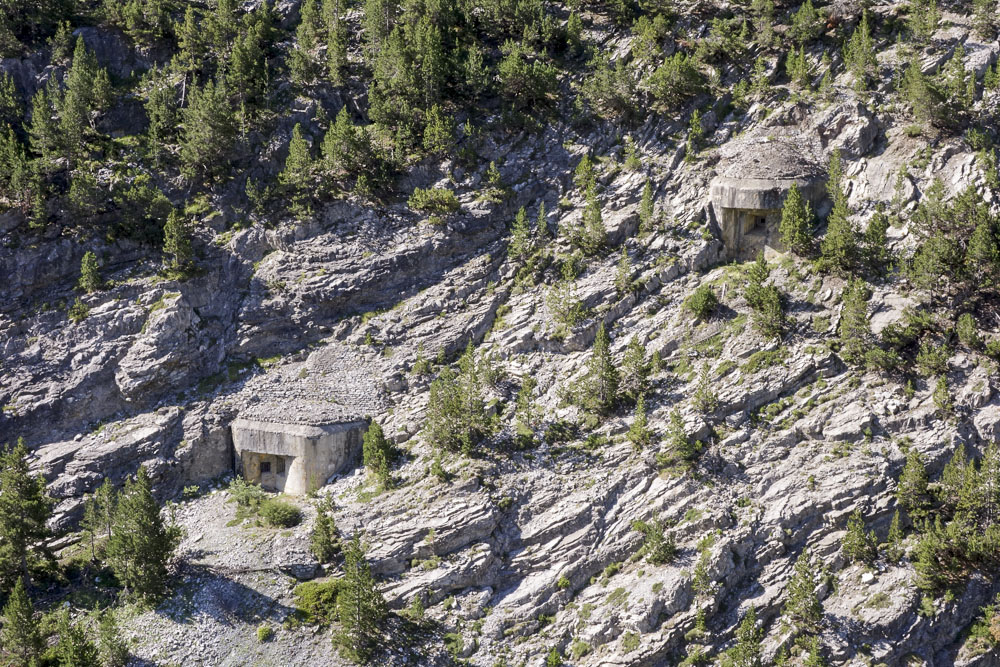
<point x="456" y="411"/>
<point x="361" y="609"/>
<point x="378" y="455"/>
<point x="767" y="311"/>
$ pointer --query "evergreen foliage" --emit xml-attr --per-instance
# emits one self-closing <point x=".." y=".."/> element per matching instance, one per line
<point x="599" y="388"/>
<point x="177" y="241"/>
<point x="361" y="608"/>
<point x="25" y="508"/>
<point x="141" y="543"/>
<point x="911" y="492"/>
<point x="377" y="455"/>
<point x="796" y="222"/>
<point x="855" y="330"/>
<point x="747" y="650"/>
<point x="324" y="543"/>
<point x="90" y="276"/>
<point x="74" y="648"/>
<point x="20" y="636"/>
<point x="856" y="543"/>
<point x="801" y="602"/>
<point x="456" y="412"/>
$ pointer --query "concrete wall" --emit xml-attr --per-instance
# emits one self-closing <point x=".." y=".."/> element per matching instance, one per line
<point x="745" y="233"/>
<point x="312" y="454"/>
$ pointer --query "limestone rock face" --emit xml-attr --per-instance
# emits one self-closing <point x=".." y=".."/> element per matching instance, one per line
<point x="166" y="352"/>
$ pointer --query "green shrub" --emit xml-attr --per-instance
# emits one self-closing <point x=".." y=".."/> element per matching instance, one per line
<point x="702" y="302"/>
<point x="316" y="601"/>
<point x="279" y="513"/>
<point x="433" y="200"/>
<point x="78" y="311"/>
<point x="264" y="633"/>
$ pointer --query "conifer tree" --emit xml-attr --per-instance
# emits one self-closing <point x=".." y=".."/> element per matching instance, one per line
<point x="24" y="509"/>
<point x="874" y="247"/>
<point x="623" y="274"/>
<point x="747" y="651"/>
<point x="600" y="387"/>
<point x="10" y="103"/>
<point x="801" y="602"/>
<point x="984" y="18"/>
<point x="594" y="236"/>
<point x="856" y="543"/>
<point x="678" y="442"/>
<point x="377" y="454"/>
<point x="456" y="417"/>
<point x="90" y="276"/>
<point x="141" y="543"/>
<point x="20" y="637"/>
<point x="796" y="220"/>
<point x="520" y="237"/>
<point x="855" y="329"/>
<point x="74" y="648"/>
<point x="246" y="72"/>
<point x="646" y="207"/>
<point x="324" y="542"/>
<point x="361" y="608"/>
<point x="161" y="109"/>
<point x="638" y="433"/>
<point x="339" y="144"/>
<point x="296" y="177"/>
<point x="894" y="540"/>
<point x="208" y="131"/>
<point x="302" y="63"/>
<point x="44" y="132"/>
<point x="815" y="657"/>
<point x="177" y="240"/>
<point x="911" y="492"/>
<point x="634" y="380"/>
<point x="191" y="40"/>
<point x="111" y="646"/>
<point x="439" y="132"/>
<point x="99" y="513"/>
<point x="704" y="398"/>
<point x="982" y="257"/>
<point x="336" y="41"/>
<point x="859" y="54"/>
<point x="77" y="101"/>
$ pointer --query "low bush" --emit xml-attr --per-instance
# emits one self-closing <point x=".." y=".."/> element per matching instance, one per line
<point x="433" y="200"/>
<point x="316" y="601"/>
<point x="280" y="514"/>
<point x="702" y="302"/>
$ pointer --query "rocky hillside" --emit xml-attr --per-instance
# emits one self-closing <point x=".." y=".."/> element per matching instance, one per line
<point x="654" y="433"/>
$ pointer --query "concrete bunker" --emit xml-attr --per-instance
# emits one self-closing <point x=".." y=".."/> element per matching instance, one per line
<point x="750" y="190"/>
<point x="294" y="458"/>
<point x="303" y="422"/>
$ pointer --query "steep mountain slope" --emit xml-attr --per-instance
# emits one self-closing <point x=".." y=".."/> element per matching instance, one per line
<point x="562" y="530"/>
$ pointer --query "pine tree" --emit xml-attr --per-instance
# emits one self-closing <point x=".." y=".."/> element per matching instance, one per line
<point x="911" y="491"/>
<point x="177" y="240"/>
<point x="24" y="510"/>
<point x="855" y="330"/>
<point x="982" y="257"/>
<point x="324" y="542"/>
<point x="646" y="207"/>
<point x="984" y="18"/>
<point x="10" y="103"/>
<point x="20" y="635"/>
<point x="839" y="248"/>
<point x="191" y="40"/>
<point x="336" y="41"/>
<point x="894" y="540"/>
<point x="634" y="380"/>
<point x="296" y="177"/>
<point x="801" y="602"/>
<point x="208" y="131"/>
<point x="678" y="442"/>
<point x="600" y="386"/>
<point x="638" y="433"/>
<point x="519" y="247"/>
<point x="456" y="412"/>
<point x="747" y="651"/>
<point x="74" y="648"/>
<point x="796" y="221"/>
<point x="594" y="236"/>
<point x="942" y="397"/>
<point x="302" y="63"/>
<point x="98" y="514"/>
<point x="439" y="132"/>
<point x="161" y="109"/>
<point x="339" y="144"/>
<point x="44" y="132"/>
<point x="705" y="399"/>
<point x="377" y="454"/>
<point x="583" y="175"/>
<point x="623" y="274"/>
<point x="141" y="543"/>
<point x="859" y="54"/>
<point x="361" y="608"/>
<point x="874" y="246"/>
<point x="246" y="72"/>
<point x="111" y="645"/>
<point x="77" y="102"/>
<point x="90" y="276"/>
<point x="858" y="545"/>
<point x="815" y="657"/>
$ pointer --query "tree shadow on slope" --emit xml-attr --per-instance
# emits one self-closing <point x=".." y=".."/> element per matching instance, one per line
<point x="215" y="592"/>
